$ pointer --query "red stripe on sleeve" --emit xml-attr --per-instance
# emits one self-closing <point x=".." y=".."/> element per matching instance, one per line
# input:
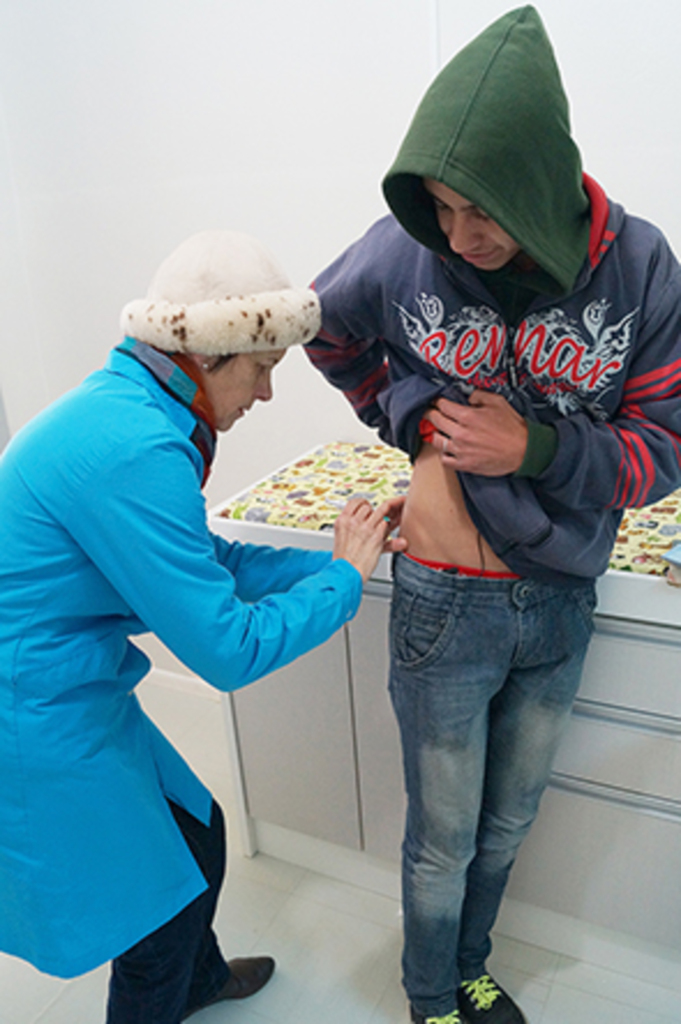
<point x="662" y="378"/>
<point x="642" y="469"/>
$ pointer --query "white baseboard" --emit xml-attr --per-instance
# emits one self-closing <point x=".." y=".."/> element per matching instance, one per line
<point x="345" y="865"/>
<point x="580" y="940"/>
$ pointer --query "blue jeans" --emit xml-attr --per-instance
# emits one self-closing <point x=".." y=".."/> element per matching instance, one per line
<point x="179" y="966"/>
<point x="483" y="676"/>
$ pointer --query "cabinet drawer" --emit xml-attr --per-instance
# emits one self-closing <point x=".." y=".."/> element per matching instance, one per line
<point x="634" y="665"/>
<point x="624" y="755"/>
<point x="603" y="863"/>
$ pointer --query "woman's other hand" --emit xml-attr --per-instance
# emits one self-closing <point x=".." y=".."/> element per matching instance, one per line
<point x="362" y="533"/>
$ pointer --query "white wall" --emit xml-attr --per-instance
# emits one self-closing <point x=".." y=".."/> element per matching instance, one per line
<point x="127" y="125"/>
<point x="4" y="429"/>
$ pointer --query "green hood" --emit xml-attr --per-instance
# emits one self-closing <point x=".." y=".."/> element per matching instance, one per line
<point x="494" y="126"/>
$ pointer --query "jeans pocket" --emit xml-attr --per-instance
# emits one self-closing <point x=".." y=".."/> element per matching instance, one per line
<point x="418" y="628"/>
<point x="585" y="600"/>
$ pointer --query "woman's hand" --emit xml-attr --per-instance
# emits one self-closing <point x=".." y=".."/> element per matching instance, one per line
<point x="362" y="533"/>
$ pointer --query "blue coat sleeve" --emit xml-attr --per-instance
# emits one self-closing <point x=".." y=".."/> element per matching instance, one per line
<point x="259" y="570"/>
<point x="141" y="519"/>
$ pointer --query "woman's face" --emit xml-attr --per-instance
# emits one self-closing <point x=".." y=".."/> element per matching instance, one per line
<point x="237" y="384"/>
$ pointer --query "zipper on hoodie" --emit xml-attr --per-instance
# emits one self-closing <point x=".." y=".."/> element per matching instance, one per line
<point x="482" y="294"/>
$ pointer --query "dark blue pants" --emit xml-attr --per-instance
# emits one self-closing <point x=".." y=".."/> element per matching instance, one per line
<point x="179" y="966"/>
<point x="483" y="676"/>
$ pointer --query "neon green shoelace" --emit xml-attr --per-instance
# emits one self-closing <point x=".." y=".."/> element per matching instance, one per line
<point x="483" y="992"/>
<point x="451" y="1018"/>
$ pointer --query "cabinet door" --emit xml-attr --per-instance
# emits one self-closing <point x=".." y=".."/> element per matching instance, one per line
<point x="378" y="743"/>
<point x="295" y="739"/>
<point x="605" y="863"/>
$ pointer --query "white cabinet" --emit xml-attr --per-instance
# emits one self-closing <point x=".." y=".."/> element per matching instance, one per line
<point x="296" y="746"/>
<point x="606" y="846"/>
<point x="377" y="736"/>
<point x="318" y="742"/>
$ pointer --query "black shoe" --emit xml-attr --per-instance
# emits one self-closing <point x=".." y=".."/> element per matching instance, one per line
<point x="247" y="976"/>
<point x="484" y="1002"/>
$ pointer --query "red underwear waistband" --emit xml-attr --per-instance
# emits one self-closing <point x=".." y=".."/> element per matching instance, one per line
<point x="464" y="570"/>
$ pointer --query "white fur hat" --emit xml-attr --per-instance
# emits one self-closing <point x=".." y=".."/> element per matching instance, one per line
<point x="222" y="292"/>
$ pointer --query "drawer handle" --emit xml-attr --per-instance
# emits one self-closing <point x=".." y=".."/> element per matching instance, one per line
<point x="659" y="807"/>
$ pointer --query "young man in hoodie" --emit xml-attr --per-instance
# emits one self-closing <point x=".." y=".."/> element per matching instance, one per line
<point x="519" y="335"/>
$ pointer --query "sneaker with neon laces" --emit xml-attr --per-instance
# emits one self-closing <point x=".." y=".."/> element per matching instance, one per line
<point x="449" y="1018"/>
<point x="484" y="1002"/>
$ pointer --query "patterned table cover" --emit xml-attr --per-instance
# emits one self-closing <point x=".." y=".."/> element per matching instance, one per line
<point x="309" y="494"/>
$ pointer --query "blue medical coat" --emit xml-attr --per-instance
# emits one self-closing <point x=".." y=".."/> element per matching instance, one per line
<point x="103" y="536"/>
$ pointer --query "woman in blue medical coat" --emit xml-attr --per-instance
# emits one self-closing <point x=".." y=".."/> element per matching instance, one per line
<point x="110" y="847"/>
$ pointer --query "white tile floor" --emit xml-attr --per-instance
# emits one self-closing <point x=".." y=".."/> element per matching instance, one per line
<point x="338" y="947"/>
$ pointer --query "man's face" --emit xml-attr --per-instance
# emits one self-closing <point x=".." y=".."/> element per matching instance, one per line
<point x="471" y="234"/>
